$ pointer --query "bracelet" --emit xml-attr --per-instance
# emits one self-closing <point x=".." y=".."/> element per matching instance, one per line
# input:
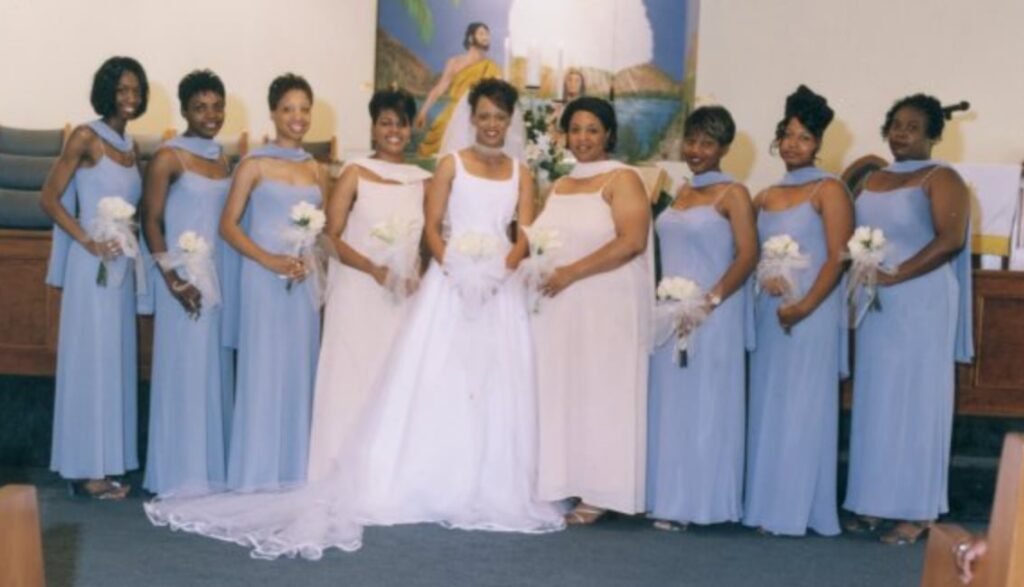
<point x="961" y="548"/>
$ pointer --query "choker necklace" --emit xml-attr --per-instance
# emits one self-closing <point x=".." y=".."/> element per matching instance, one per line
<point x="488" y="152"/>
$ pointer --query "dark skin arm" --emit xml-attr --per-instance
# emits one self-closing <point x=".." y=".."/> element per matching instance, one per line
<point x="339" y="204"/>
<point x="631" y="214"/>
<point x="163" y="170"/>
<point x="740" y="212"/>
<point x="836" y="211"/>
<point x="950" y="208"/>
<point x="83" y="149"/>
<point x="246" y="178"/>
<point x="525" y="215"/>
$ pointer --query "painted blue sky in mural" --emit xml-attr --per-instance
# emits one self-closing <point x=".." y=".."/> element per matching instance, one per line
<point x="670" y="29"/>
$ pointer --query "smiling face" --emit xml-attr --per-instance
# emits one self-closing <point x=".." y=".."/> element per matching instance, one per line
<point x="128" y="96"/>
<point x="204" y="114"/>
<point x="908" y="135"/>
<point x="587" y="137"/>
<point x="391" y="134"/>
<point x="292" y="115"/>
<point x="798" y="146"/>
<point x="702" y="153"/>
<point x="491" y="123"/>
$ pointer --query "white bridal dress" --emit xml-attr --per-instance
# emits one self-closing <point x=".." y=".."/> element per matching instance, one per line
<point x="451" y="430"/>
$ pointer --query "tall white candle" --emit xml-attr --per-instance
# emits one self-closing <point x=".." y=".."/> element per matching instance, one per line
<point x="508" y="60"/>
<point x="533" y="66"/>
<point x="560" y="79"/>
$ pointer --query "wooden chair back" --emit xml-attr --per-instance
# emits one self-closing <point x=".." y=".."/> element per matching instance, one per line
<point x="21" y="548"/>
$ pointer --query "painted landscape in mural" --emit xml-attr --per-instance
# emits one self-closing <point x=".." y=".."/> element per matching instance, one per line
<point x="641" y="53"/>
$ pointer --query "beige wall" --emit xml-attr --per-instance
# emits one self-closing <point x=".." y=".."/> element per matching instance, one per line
<point x="49" y="50"/>
<point x="862" y="55"/>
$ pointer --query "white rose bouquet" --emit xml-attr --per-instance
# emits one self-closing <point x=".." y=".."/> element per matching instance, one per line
<point x="781" y="258"/>
<point x="473" y="262"/>
<point x="541" y="263"/>
<point x="867" y="248"/>
<point x="302" y="237"/>
<point x="680" y="311"/>
<point x="396" y="247"/>
<point x="115" y="220"/>
<point x="193" y="260"/>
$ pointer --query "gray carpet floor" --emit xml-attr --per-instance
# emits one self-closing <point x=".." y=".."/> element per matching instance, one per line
<point x="103" y="544"/>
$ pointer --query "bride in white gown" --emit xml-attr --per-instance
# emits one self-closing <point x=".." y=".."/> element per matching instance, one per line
<point x="451" y="432"/>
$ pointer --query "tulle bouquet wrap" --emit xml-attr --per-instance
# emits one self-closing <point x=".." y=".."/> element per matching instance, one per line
<point x="193" y="261"/>
<point x="115" y="220"/>
<point x="542" y="261"/>
<point x="867" y="248"/>
<point x="474" y="263"/>
<point x="680" y="311"/>
<point x="781" y="259"/>
<point x="396" y="246"/>
<point x="301" y="237"/>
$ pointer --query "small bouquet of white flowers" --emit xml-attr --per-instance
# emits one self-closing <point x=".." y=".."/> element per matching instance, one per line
<point x="780" y="259"/>
<point x="867" y="249"/>
<point x="680" y="311"/>
<point x="193" y="260"/>
<point x="302" y="239"/>
<point x="473" y="262"/>
<point x="115" y="221"/>
<point x="396" y="247"/>
<point x="541" y="263"/>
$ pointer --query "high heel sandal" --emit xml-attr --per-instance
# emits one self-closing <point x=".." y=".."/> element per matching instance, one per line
<point x="862" y="524"/>
<point x="584" y="515"/>
<point x="905" y="533"/>
<point x="102" y="489"/>
<point x="670" y="526"/>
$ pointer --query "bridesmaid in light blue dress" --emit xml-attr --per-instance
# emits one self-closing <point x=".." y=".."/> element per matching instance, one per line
<point x="279" y="327"/>
<point x="800" y="353"/>
<point x="904" y="373"/>
<point x="192" y="382"/>
<point x="95" y="420"/>
<point x="696" y="413"/>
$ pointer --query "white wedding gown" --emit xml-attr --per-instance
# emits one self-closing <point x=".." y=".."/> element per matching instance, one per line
<point x="450" y="435"/>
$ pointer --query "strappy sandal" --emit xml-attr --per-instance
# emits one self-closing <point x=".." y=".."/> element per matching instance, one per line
<point x="584" y="515"/>
<point x="102" y="489"/>
<point x="905" y="533"/>
<point x="670" y="526"/>
<point x="862" y="524"/>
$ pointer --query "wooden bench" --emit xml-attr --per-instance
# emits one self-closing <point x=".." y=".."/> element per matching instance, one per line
<point x="21" y="548"/>
<point x="1003" y="564"/>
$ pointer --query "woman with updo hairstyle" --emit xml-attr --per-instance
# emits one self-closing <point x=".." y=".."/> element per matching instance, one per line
<point x="696" y="407"/>
<point x="370" y="283"/>
<point x="94" y="423"/>
<point x="800" y="351"/>
<point x="592" y="328"/>
<point x="279" y="311"/>
<point x="903" y="381"/>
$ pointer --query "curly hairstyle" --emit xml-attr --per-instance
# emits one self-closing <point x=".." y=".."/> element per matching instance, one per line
<point x="397" y="100"/>
<point x="600" y="108"/>
<point x="930" y="106"/>
<point x="714" y="121"/>
<point x="285" y="83"/>
<point x="104" y="85"/>
<point x="197" y="82"/>
<point x="811" y="109"/>
<point x="502" y="93"/>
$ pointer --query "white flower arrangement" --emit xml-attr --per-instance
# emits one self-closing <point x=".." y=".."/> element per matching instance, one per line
<point x="476" y="245"/>
<point x="540" y="265"/>
<point x="301" y="236"/>
<point x="681" y="309"/>
<point x="781" y="257"/>
<point x="192" y="244"/>
<point x="115" y="221"/>
<point x="397" y="249"/>
<point x="867" y="248"/>
<point x="194" y="259"/>
<point x="308" y="217"/>
<point x="475" y="268"/>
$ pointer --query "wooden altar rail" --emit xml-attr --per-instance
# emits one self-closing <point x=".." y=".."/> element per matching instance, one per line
<point x="30" y="311"/>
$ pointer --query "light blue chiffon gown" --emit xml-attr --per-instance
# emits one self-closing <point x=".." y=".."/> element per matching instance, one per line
<point x="278" y="345"/>
<point x="904" y="373"/>
<point x="95" y="419"/>
<point x="792" y="440"/>
<point x="193" y="371"/>
<point x="696" y="413"/>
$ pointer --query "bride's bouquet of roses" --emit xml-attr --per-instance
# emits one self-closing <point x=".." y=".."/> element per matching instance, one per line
<point x="193" y="260"/>
<point x="541" y="263"/>
<point x="781" y="258"/>
<point x="302" y="239"/>
<point x="397" y="242"/>
<point x="115" y="221"/>
<point x="473" y="262"/>
<point x="867" y="248"/>
<point x="680" y="311"/>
